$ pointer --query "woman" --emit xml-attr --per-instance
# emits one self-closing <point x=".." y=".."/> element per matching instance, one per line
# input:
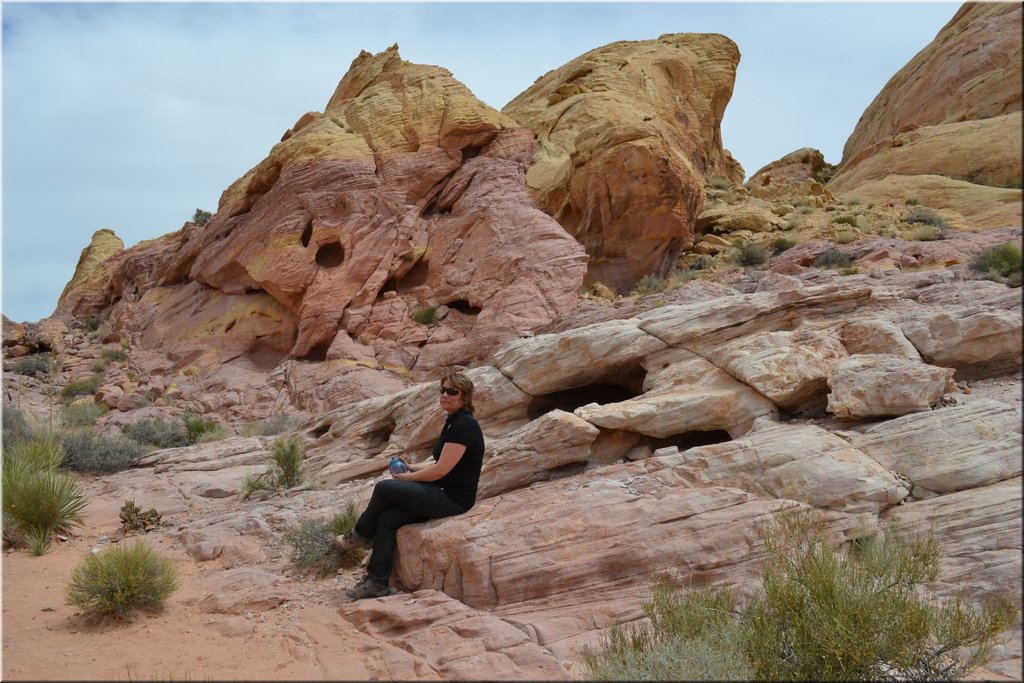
<point x="447" y="486"/>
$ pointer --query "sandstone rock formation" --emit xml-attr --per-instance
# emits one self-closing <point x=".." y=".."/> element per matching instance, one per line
<point x="798" y="174"/>
<point x="627" y="134"/>
<point x="948" y="122"/>
<point x="405" y="196"/>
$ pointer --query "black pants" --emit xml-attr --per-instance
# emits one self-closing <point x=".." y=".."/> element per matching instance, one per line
<point x="394" y="504"/>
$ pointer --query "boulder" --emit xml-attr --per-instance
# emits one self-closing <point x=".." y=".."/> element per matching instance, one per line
<point x="976" y="341"/>
<point x="949" y="449"/>
<point x="797" y="175"/>
<point x="872" y="385"/>
<point x="627" y="134"/>
<point x="245" y="589"/>
<point x="796" y="462"/>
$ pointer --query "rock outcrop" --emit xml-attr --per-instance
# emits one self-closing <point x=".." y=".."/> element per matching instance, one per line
<point x="405" y="198"/>
<point x="627" y="135"/>
<point x="948" y="124"/>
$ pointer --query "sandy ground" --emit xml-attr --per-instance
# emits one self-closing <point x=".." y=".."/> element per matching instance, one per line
<point x="44" y="638"/>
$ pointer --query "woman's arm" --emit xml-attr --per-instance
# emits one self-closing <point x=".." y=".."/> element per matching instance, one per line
<point x="451" y="453"/>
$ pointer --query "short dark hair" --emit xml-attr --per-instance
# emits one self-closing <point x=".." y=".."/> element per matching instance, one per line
<point x="464" y="384"/>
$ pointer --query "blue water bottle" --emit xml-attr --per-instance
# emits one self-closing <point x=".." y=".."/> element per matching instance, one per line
<point x="397" y="466"/>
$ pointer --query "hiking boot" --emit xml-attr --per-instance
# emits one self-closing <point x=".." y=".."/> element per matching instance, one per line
<point x="350" y="540"/>
<point x="367" y="588"/>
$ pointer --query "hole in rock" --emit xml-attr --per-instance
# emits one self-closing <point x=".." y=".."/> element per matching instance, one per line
<point x="376" y="440"/>
<point x="320" y="430"/>
<point x="463" y="306"/>
<point x="318" y="353"/>
<point x="618" y="385"/>
<point x="416" y="276"/>
<point x="230" y="326"/>
<point x="266" y="356"/>
<point x="307" y="234"/>
<point x="330" y="255"/>
<point x="688" y="440"/>
<point x="470" y="151"/>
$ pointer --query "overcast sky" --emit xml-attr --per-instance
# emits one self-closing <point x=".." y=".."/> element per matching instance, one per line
<point x="130" y="116"/>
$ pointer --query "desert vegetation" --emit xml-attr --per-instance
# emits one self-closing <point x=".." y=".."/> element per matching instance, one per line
<point x="285" y="469"/>
<point x="312" y="548"/>
<point x="822" y="613"/>
<point x="116" y="581"/>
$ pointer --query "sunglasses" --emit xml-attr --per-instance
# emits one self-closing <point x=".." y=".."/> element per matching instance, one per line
<point x="450" y="391"/>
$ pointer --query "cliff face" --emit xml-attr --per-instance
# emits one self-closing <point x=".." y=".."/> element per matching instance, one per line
<point x="627" y="135"/>
<point x="946" y="129"/>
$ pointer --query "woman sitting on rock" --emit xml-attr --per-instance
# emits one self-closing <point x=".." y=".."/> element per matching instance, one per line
<point x="440" y="488"/>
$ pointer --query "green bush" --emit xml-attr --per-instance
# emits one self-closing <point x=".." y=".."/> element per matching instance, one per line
<point x="287" y="455"/>
<point x="201" y="217"/>
<point x="157" y="432"/>
<point x="824" y="615"/>
<point x="16" y="427"/>
<point x="91" y="452"/>
<point x="134" y="519"/>
<point x="1003" y="260"/>
<point x="82" y="387"/>
<point x="691" y="636"/>
<point x="833" y="258"/>
<point x="910" y="201"/>
<point x="38" y="499"/>
<point x="719" y="182"/>
<point x="425" y="315"/>
<point x="120" y="579"/>
<point x="81" y="414"/>
<point x="702" y="262"/>
<point x="115" y="355"/>
<point x="197" y="427"/>
<point x="925" y="233"/>
<point x="846" y="220"/>
<point x="781" y="244"/>
<point x="312" y="543"/>
<point x="749" y="254"/>
<point x="33" y="364"/>
<point x="924" y="215"/>
<point x="649" y="284"/>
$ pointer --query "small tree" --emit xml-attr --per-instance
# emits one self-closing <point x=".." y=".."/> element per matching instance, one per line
<point x="201" y="217"/>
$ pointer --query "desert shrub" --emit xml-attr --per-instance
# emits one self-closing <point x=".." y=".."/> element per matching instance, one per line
<point x="925" y="233"/>
<point x="37" y="498"/>
<point x="134" y="519"/>
<point x="748" y="254"/>
<point x="719" y="182"/>
<point x="833" y="258"/>
<point x="82" y="387"/>
<point x="924" y="215"/>
<point x="268" y="427"/>
<point x="821" y="614"/>
<point x="201" y="217"/>
<point x="825" y="615"/>
<point x="1002" y="261"/>
<point x="91" y="452"/>
<point x="312" y="543"/>
<point x="702" y="262"/>
<point x="691" y="636"/>
<point x="114" y="355"/>
<point x="16" y="427"/>
<point x="287" y="455"/>
<point x="99" y="366"/>
<point x="312" y="547"/>
<point x="846" y="220"/>
<point x="781" y="244"/>
<point x="120" y="579"/>
<point x="81" y="414"/>
<point x="853" y="270"/>
<point x="599" y="290"/>
<point x="156" y="432"/>
<point x="33" y="364"/>
<point x="215" y="434"/>
<point x="649" y="284"/>
<point x="911" y="201"/>
<point x="425" y="314"/>
<point x="264" y="481"/>
<point x="198" y="427"/>
<point x="845" y="237"/>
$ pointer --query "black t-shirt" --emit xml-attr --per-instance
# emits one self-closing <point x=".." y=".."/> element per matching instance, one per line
<point x="461" y="483"/>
